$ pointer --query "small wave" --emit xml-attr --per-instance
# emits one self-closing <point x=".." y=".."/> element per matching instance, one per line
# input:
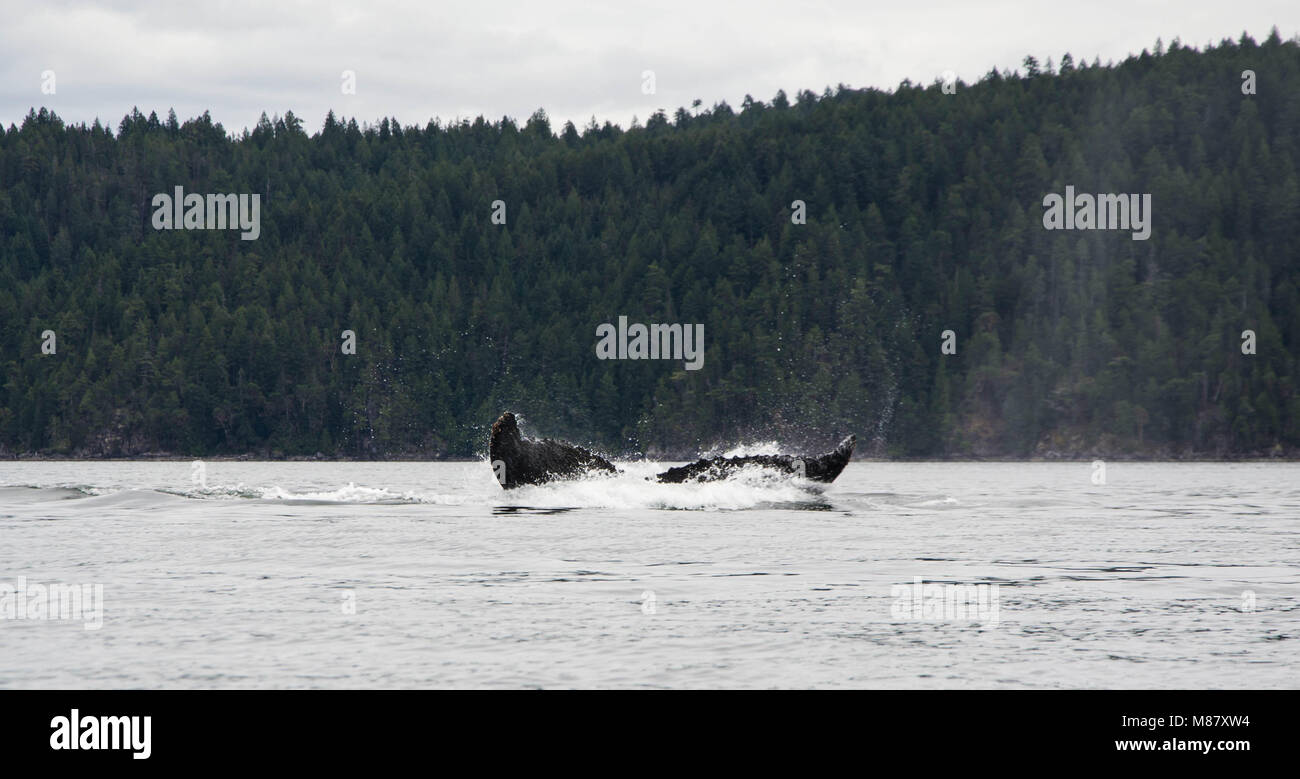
<point x="128" y="498"/>
<point x="55" y="490"/>
<point x="352" y="493"/>
<point x="936" y="502"/>
<point x="237" y="492"/>
<point x="355" y="494"/>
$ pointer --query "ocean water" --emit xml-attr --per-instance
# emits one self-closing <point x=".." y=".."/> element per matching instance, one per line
<point x="419" y="575"/>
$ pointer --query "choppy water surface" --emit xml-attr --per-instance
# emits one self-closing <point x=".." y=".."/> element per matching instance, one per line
<point x="1168" y="575"/>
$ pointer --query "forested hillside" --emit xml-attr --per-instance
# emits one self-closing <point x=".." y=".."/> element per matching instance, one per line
<point x="924" y="214"/>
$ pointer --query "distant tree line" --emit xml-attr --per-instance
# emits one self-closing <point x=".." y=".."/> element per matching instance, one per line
<point x="924" y="213"/>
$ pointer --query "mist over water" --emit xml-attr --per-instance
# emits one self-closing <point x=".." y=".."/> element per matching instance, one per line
<point x="1168" y="575"/>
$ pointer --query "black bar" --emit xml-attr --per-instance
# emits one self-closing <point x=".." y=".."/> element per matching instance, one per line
<point x="558" y="728"/>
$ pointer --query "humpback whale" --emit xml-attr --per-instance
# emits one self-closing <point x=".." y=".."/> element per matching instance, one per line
<point x="518" y="461"/>
<point x="823" y="468"/>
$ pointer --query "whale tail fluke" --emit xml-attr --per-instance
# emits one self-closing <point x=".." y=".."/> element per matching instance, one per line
<point x="829" y="466"/>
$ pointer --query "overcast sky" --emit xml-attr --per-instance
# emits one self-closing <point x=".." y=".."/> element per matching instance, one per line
<point x="420" y="60"/>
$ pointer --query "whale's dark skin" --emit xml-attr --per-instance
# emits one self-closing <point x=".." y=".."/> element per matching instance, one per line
<point x="518" y="461"/>
<point x="823" y="468"/>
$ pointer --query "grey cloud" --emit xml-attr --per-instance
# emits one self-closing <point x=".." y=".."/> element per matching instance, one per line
<point x="418" y="60"/>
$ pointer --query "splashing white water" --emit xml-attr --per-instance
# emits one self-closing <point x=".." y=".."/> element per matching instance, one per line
<point x="752" y="449"/>
<point x="635" y="488"/>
